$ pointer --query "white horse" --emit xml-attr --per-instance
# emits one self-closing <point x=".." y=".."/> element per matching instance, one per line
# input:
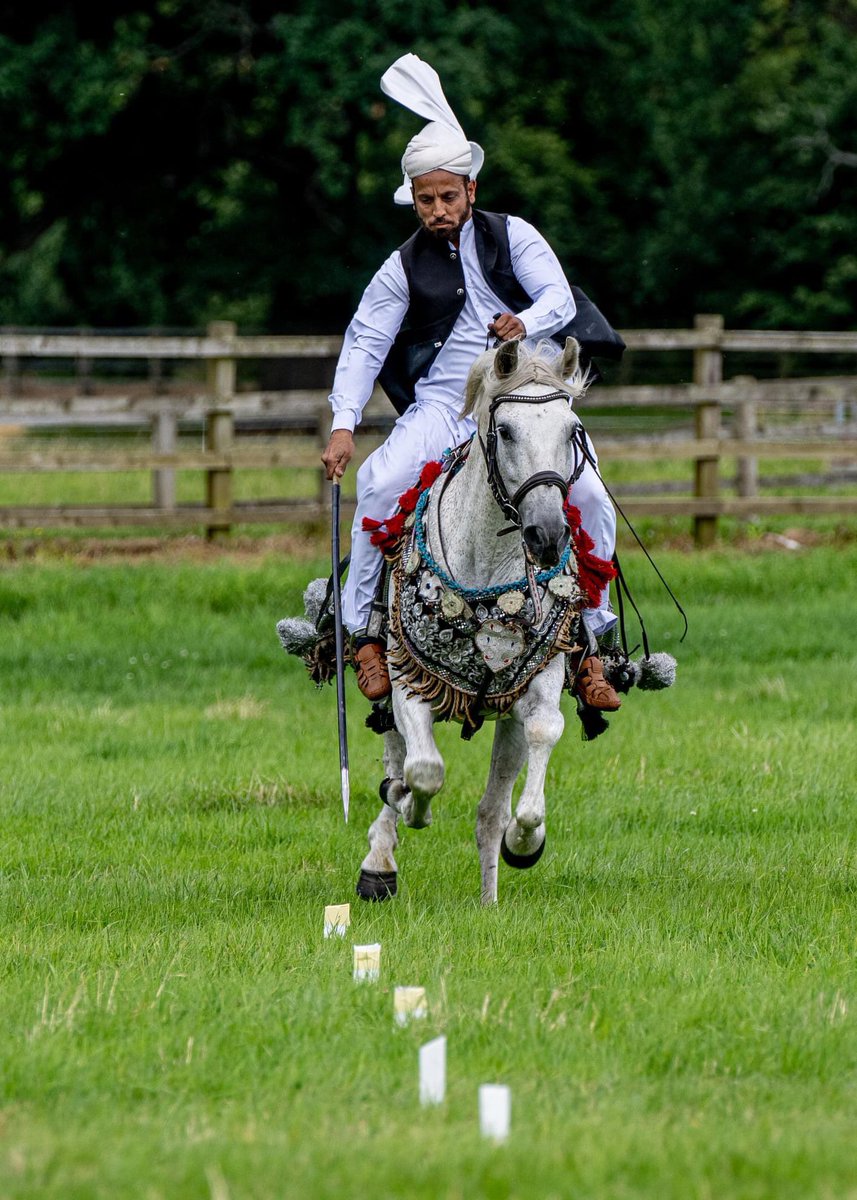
<point x="457" y="575"/>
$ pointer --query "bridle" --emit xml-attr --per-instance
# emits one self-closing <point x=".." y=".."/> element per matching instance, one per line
<point x="509" y="505"/>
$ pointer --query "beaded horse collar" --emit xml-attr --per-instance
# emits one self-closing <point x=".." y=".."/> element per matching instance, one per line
<point x="420" y="552"/>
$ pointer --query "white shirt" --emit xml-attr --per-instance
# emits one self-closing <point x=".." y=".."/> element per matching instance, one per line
<point x="382" y="309"/>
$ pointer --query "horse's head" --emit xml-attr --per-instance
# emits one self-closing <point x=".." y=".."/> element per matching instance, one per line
<point x="521" y="400"/>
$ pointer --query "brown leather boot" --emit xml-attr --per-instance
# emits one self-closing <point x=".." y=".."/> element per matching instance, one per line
<point x="373" y="678"/>
<point x="592" y="687"/>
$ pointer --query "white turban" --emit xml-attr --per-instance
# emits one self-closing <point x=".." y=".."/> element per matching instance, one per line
<point x="439" y="146"/>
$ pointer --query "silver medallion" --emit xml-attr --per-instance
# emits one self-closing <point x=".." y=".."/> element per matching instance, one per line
<point x="562" y="586"/>
<point x="511" y="602"/>
<point x="430" y="587"/>
<point x="413" y="562"/>
<point x="451" y="605"/>
<point x="499" y="643"/>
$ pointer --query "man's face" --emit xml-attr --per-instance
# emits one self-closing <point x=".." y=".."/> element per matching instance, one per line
<point x="443" y="202"/>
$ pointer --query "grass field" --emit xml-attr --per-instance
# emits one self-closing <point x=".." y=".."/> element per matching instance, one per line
<point x="670" y="994"/>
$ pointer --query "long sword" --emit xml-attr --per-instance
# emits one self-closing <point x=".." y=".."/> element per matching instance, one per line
<point x="340" y="654"/>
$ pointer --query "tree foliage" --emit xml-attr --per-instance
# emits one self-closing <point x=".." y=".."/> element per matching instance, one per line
<point x="175" y="162"/>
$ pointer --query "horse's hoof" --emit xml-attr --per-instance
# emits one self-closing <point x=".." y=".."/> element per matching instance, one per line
<point x="521" y="861"/>
<point x="383" y="788"/>
<point x="376" y="885"/>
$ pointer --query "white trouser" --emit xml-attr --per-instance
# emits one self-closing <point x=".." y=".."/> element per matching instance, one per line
<point x="599" y="520"/>
<point x="419" y="436"/>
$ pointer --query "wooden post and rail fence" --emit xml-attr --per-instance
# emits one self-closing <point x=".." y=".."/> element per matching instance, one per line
<point x="220" y="402"/>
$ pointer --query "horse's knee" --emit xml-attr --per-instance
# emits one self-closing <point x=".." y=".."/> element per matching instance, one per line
<point x="424" y="776"/>
<point x="544" y="728"/>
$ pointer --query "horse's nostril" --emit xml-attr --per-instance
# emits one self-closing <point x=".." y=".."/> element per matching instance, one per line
<point x="543" y="546"/>
<point x="535" y="539"/>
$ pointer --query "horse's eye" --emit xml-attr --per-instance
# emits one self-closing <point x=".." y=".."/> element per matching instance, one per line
<point x="504" y="433"/>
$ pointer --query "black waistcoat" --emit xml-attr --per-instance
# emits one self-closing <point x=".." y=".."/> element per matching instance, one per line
<point x="437" y="293"/>
<point x="436" y="288"/>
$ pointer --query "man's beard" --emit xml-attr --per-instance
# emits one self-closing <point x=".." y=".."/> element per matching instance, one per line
<point x="447" y="233"/>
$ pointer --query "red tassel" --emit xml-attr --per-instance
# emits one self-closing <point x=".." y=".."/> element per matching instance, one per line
<point x="572" y="514"/>
<point x="387" y="534"/>
<point x="408" y="500"/>
<point x="594" y="573"/>
<point x="429" y="474"/>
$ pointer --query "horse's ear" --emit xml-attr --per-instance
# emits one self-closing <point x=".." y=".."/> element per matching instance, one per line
<point x="506" y="359"/>
<point x="471" y="390"/>
<point x="570" y="358"/>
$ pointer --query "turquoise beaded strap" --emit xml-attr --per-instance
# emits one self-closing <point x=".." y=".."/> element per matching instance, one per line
<point x="475" y="593"/>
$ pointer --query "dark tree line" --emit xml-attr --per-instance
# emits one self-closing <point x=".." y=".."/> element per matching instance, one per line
<point x="183" y="160"/>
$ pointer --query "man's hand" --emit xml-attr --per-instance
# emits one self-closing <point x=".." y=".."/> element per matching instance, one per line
<point x="507" y="327"/>
<point x="338" y="453"/>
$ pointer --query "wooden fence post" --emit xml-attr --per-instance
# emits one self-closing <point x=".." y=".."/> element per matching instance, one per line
<point x="164" y="441"/>
<point x="221" y="372"/>
<point x="11" y="369"/>
<point x="219" y="431"/>
<point x="746" y="430"/>
<point x="156" y="375"/>
<point x="83" y="369"/>
<point x="707" y="372"/>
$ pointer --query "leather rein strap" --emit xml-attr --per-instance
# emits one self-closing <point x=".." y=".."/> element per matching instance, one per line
<point x="509" y="505"/>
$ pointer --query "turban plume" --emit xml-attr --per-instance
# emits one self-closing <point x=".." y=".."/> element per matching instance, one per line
<point x="440" y="145"/>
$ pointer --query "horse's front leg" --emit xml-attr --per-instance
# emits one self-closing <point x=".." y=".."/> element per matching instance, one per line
<point x="423" y="766"/>
<point x="539" y="714"/>
<point x="495" y="807"/>
<point x="378" y="871"/>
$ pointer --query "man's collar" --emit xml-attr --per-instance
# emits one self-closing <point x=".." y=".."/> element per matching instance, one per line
<point x="466" y="232"/>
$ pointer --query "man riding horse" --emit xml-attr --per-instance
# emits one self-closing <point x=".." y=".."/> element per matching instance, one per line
<point x="465" y="275"/>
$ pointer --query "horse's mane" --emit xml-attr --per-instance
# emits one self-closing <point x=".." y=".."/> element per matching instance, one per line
<point x="541" y="365"/>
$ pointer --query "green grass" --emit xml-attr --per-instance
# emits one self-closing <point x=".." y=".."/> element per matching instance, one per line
<point x="670" y="993"/>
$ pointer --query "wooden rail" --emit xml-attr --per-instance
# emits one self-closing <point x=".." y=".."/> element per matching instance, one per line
<point x="218" y="405"/>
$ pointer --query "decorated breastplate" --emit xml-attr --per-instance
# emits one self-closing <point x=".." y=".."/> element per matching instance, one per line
<point x="473" y="652"/>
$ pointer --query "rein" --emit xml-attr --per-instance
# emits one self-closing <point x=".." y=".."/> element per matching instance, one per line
<point x="509" y="505"/>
